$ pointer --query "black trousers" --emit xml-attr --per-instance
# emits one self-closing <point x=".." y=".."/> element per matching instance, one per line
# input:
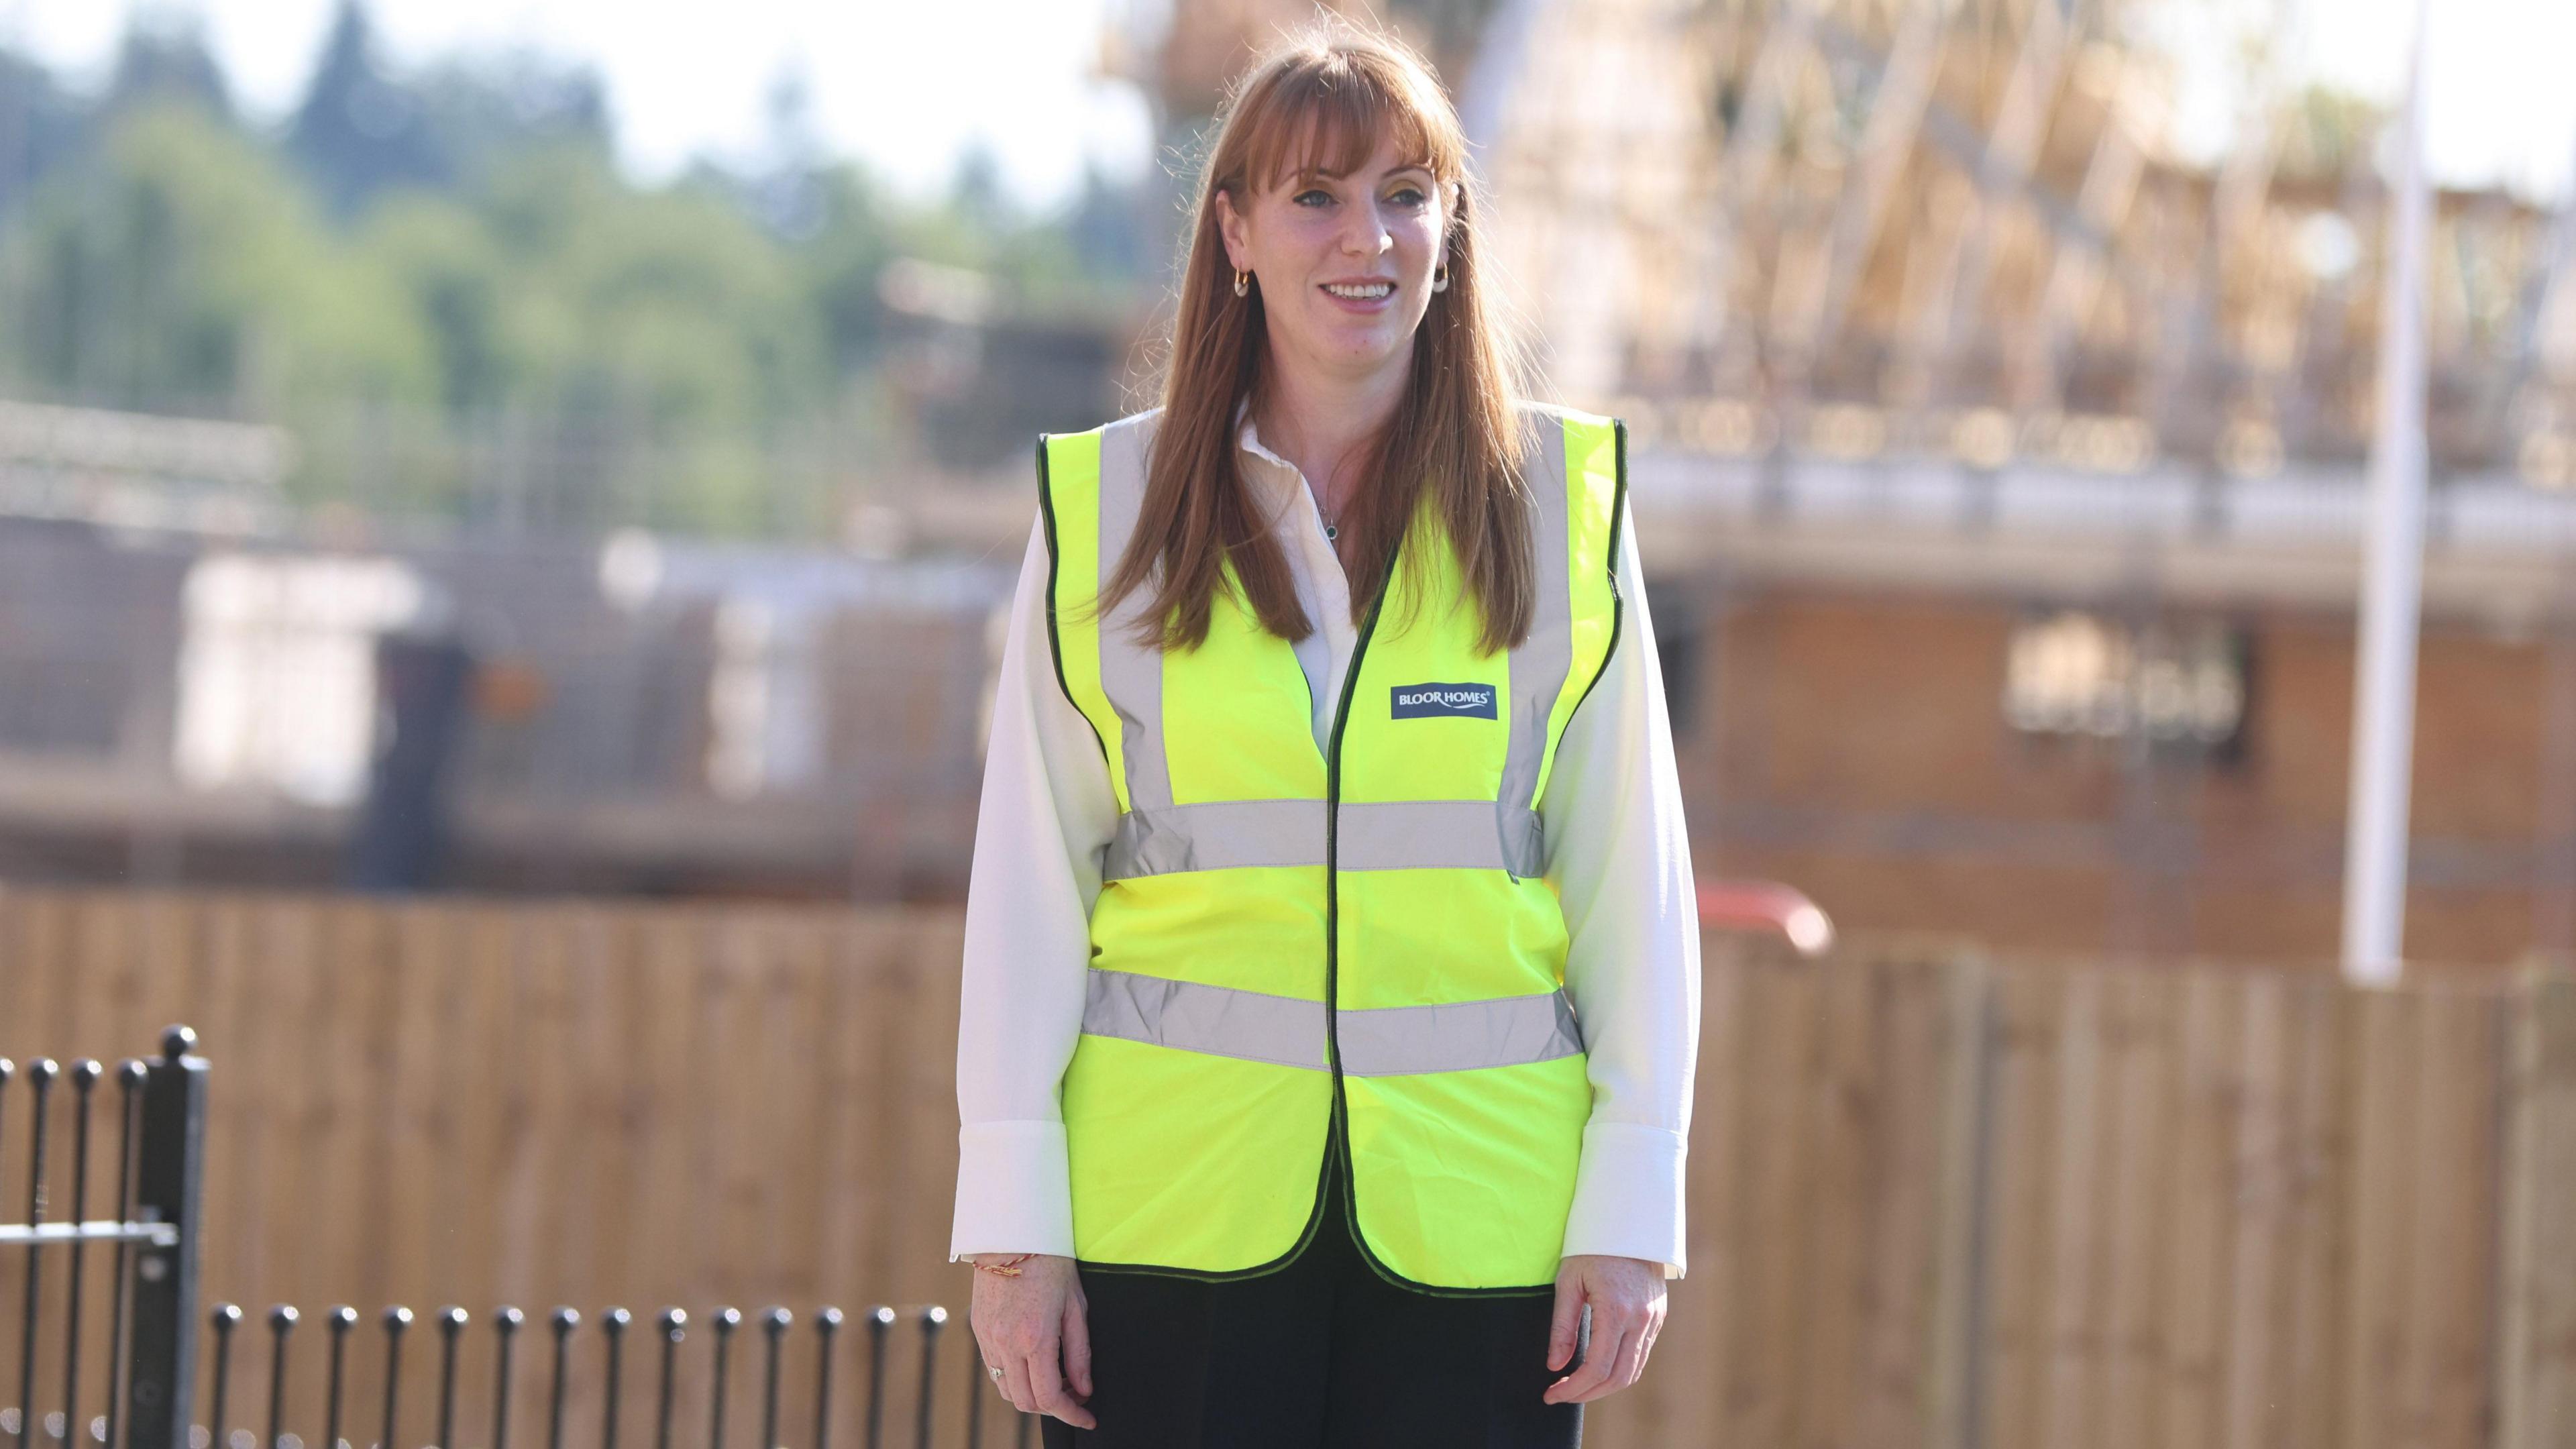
<point x="1321" y="1354"/>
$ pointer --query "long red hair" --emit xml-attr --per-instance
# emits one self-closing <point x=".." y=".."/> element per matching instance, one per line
<point x="1322" y="100"/>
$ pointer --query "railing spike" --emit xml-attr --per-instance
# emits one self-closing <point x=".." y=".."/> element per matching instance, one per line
<point x="396" y="1319"/>
<point x="674" y="1325"/>
<point x="774" y="1324"/>
<point x="40" y="1081"/>
<point x="225" y="1318"/>
<point x="725" y="1322"/>
<point x="932" y="1320"/>
<point x="451" y="1325"/>
<point x="827" y="1325"/>
<point x="85" y="1075"/>
<point x="131" y="1074"/>
<point x="613" y="1323"/>
<point x="505" y="1328"/>
<point x="281" y="1322"/>
<point x="565" y="1320"/>
<point x="340" y="1321"/>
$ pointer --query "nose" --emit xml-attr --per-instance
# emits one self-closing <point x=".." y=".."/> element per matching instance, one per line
<point x="1365" y="234"/>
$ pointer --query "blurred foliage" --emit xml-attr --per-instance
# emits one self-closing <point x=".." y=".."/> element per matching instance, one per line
<point x="2327" y="132"/>
<point x="419" y="271"/>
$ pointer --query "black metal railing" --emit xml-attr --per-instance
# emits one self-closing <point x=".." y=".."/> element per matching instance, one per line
<point x="122" y="1374"/>
<point x="587" y="1359"/>
<point x="146" y="1356"/>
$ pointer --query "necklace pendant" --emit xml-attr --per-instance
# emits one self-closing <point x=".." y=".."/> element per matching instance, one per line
<point x="1331" y="533"/>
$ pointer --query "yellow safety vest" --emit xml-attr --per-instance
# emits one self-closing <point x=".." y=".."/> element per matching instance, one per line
<point x="1298" y="952"/>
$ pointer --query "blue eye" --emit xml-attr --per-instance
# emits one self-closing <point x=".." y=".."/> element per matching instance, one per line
<point x="1413" y="192"/>
<point x="1300" y="198"/>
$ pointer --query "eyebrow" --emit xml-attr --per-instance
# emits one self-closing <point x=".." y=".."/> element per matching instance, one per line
<point x="1304" y="172"/>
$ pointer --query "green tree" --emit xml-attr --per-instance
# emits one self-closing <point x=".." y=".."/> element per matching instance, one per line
<point x="186" y="270"/>
<point x="476" y="299"/>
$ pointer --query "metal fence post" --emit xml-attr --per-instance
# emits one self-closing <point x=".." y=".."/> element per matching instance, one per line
<point x="169" y="1173"/>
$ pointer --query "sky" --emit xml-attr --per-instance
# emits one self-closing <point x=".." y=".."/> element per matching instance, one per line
<point x="908" y="84"/>
<point x="2499" y="108"/>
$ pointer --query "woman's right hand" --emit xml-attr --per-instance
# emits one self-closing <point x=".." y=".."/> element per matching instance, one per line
<point x="1033" y="1329"/>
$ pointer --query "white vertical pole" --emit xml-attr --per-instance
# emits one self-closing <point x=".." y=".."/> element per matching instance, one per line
<point x="2383" y="726"/>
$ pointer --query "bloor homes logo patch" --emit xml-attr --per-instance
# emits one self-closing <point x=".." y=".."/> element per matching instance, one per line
<point x="1444" y="701"/>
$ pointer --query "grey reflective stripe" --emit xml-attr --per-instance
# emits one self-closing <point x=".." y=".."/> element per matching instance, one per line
<point x="1458" y="1036"/>
<point x="1391" y="1041"/>
<point x="1218" y="836"/>
<point x="1131" y="674"/>
<point x="1457" y="834"/>
<point x="1540" y="664"/>
<point x="1217" y="1020"/>
<point x="1372" y="835"/>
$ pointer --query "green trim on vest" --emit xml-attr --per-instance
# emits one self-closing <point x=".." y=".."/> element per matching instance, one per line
<point x="1413" y="953"/>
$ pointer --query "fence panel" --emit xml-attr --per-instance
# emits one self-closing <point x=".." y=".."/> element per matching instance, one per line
<point x="478" y="1104"/>
<point x="2538" y="1353"/>
<point x="1935" y="1201"/>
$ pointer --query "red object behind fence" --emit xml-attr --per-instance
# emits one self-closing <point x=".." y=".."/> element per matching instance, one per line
<point x="1764" y="905"/>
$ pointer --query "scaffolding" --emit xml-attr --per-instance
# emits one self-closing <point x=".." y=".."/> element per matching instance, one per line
<point x="1967" y="229"/>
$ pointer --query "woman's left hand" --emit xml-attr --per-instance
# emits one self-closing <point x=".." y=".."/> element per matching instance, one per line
<point x="1627" y="1299"/>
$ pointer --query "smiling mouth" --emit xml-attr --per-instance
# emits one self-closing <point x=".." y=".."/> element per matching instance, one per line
<point x="1366" y="293"/>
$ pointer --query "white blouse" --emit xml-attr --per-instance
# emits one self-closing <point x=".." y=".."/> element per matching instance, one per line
<point x="1617" y="856"/>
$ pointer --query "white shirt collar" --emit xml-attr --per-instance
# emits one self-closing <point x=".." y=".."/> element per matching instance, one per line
<point x="1249" y="438"/>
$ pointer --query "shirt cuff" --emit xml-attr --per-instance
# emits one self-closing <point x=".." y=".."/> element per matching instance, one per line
<point x="1628" y="1195"/>
<point x="1014" y="1190"/>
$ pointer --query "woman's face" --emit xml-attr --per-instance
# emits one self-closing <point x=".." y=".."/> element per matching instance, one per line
<point x="1344" y="263"/>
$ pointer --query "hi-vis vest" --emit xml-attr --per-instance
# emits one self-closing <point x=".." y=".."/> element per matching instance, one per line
<point x="1348" y="951"/>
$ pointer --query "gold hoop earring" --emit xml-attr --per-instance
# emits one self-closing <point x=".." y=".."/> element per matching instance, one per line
<point x="1242" y="282"/>
<point x="1440" y="279"/>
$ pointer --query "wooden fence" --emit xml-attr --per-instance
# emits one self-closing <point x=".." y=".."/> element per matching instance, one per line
<point x="1936" y="1201"/>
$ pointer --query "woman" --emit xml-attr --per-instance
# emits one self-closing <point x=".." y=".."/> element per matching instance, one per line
<point x="1331" y="975"/>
